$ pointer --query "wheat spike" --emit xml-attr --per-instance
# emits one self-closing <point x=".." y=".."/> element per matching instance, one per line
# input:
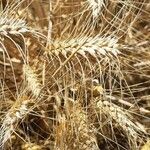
<point x="91" y="45"/>
<point x="96" y="6"/>
<point x="32" y="80"/>
<point x="31" y="146"/>
<point x="16" y="113"/>
<point x="121" y="117"/>
<point x="99" y="48"/>
<point x="12" y="26"/>
<point x="13" y="23"/>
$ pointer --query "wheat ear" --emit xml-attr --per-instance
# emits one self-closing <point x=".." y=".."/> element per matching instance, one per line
<point x="12" y="26"/>
<point x="20" y="108"/>
<point x="86" y="45"/>
<point x="121" y="117"/>
<point x="15" y="114"/>
<point x="32" y="80"/>
<point x="96" y="6"/>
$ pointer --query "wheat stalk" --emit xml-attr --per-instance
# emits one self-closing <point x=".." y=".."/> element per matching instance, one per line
<point x="74" y="130"/>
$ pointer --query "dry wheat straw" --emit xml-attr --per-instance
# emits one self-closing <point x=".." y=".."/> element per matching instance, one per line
<point x="121" y="117"/>
<point x="75" y="125"/>
<point x="141" y="64"/>
<point x="32" y="80"/>
<point x="85" y="132"/>
<point x="75" y="131"/>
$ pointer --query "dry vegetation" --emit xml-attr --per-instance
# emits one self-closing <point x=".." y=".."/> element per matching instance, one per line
<point x="74" y="74"/>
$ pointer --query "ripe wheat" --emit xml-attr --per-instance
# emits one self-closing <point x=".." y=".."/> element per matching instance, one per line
<point x="68" y="59"/>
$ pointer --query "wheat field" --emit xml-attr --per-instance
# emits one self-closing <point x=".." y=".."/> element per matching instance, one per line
<point x="74" y="75"/>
